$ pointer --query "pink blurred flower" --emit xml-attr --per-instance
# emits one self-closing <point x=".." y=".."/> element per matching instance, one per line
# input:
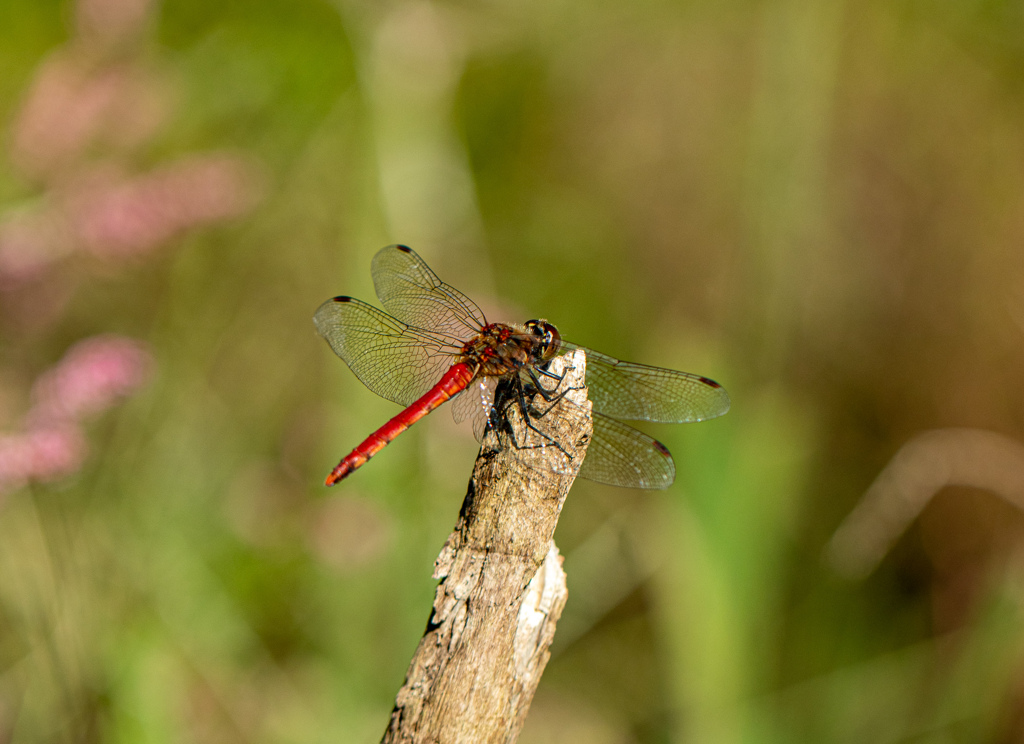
<point x="114" y="216"/>
<point x="89" y="103"/>
<point x="66" y="107"/>
<point x="111" y="20"/>
<point x="31" y="240"/>
<point x="88" y="92"/>
<point x="44" y="454"/>
<point x="90" y="378"/>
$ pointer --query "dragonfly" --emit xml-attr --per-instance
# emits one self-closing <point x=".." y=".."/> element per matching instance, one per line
<point x="434" y="344"/>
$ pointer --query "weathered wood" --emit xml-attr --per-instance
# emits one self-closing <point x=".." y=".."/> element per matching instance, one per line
<point x="502" y="587"/>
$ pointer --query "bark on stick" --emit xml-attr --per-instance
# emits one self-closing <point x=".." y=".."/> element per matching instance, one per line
<point x="502" y="587"/>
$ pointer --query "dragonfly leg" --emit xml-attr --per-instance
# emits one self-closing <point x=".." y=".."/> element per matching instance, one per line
<point x="551" y="375"/>
<point x="534" y="371"/>
<point x="526" y="410"/>
<point x="549" y="396"/>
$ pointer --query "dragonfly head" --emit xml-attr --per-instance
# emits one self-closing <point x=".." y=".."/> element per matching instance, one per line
<point x="550" y="338"/>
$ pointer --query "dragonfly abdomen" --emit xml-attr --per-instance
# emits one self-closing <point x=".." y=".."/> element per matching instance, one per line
<point x="454" y="381"/>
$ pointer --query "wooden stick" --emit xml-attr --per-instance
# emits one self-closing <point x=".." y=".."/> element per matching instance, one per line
<point x="502" y="587"/>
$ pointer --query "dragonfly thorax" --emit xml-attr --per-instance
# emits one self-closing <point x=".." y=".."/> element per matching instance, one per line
<point x="500" y="349"/>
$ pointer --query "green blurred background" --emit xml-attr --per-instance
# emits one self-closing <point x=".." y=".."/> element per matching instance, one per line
<point x="820" y="205"/>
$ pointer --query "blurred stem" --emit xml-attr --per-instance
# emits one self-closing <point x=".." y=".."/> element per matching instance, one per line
<point x="721" y="588"/>
<point x="787" y="204"/>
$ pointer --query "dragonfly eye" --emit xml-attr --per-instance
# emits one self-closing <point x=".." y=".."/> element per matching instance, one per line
<point x="551" y="339"/>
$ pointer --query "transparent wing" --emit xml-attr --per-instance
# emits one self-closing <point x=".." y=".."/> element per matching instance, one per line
<point x="619" y="455"/>
<point x="475" y="403"/>
<point x="393" y="359"/>
<point x="637" y="392"/>
<point x="411" y="292"/>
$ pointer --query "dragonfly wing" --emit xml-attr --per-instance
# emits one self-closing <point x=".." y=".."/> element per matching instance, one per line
<point x="619" y="455"/>
<point x="475" y="403"/>
<point x="395" y="360"/>
<point x="637" y="392"/>
<point x="411" y="292"/>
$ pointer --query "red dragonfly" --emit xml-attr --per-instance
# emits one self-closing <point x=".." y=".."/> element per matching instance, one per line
<point x="436" y="344"/>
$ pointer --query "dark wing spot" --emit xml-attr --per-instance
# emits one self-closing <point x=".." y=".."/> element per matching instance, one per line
<point x="662" y="448"/>
<point x="343" y="298"/>
<point x="710" y="383"/>
<point x="404" y="248"/>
